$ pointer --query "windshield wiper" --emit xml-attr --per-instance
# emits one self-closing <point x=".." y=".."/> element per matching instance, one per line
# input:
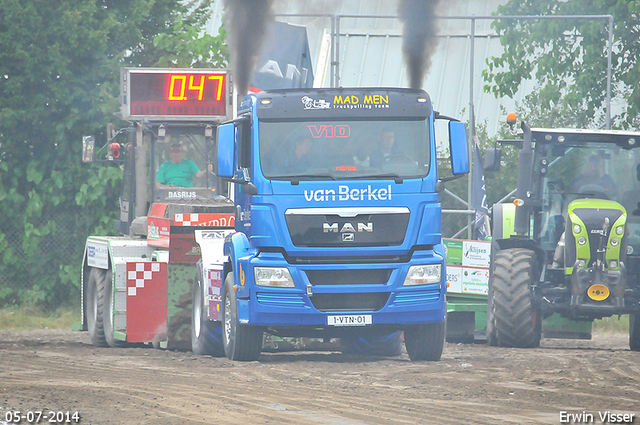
<point x="396" y="177"/>
<point x="295" y="180"/>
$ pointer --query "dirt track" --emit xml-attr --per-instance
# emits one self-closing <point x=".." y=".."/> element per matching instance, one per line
<point x="61" y="371"/>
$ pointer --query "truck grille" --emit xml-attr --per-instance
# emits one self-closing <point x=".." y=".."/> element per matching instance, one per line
<point x="418" y="297"/>
<point x="348" y="277"/>
<point x="280" y="300"/>
<point x="350" y="302"/>
<point x="358" y="227"/>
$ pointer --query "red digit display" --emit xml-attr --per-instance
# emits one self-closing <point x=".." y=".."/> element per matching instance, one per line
<point x="173" y="93"/>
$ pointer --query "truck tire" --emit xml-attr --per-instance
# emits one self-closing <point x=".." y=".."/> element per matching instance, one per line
<point x="95" y="307"/>
<point x="241" y="342"/>
<point x="389" y="345"/>
<point x="634" y="331"/>
<point x="108" y="313"/>
<point x="513" y="318"/>
<point x="206" y="335"/>
<point x="425" y="342"/>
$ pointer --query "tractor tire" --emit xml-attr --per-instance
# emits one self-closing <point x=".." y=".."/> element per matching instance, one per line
<point x="108" y="313"/>
<point x="425" y="342"/>
<point x="206" y="335"/>
<point x="490" y="331"/>
<point x="634" y="331"/>
<point x="389" y="345"/>
<point x="241" y="342"/>
<point x="95" y="307"/>
<point x="513" y="318"/>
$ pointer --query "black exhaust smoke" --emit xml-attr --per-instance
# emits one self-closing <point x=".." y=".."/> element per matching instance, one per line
<point x="247" y="23"/>
<point x="419" y="40"/>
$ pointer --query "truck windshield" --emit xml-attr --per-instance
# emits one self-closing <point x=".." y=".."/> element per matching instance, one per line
<point x="333" y="150"/>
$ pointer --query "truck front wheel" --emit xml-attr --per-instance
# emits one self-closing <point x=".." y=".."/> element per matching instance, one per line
<point x="95" y="307"/>
<point x="634" y="331"/>
<point x="241" y="342"/>
<point x="425" y="342"/>
<point x="513" y="319"/>
<point x="206" y="335"/>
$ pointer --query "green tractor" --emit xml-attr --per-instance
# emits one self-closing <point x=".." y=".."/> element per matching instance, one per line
<point x="569" y="245"/>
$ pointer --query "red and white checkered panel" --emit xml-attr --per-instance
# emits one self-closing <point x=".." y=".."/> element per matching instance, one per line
<point x="204" y="219"/>
<point x="146" y="301"/>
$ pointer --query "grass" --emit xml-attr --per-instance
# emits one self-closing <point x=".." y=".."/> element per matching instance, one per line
<point x="31" y="318"/>
<point x="612" y="324"/>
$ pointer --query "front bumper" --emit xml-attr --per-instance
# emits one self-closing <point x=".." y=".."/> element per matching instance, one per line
<point x="316" y="296"/>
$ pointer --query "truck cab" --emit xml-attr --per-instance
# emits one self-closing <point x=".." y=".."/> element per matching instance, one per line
<point x="337" y="219"/>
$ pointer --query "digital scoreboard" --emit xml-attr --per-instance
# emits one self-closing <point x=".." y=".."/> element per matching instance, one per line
<point x="175" y="94"/>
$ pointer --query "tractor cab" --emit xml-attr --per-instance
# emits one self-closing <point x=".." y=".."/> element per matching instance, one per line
<point x="588" y="188"/>
<point x="145" y="153"/>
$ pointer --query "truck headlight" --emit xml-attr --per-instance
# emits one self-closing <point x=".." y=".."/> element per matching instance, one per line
<point x="422" y="275"/>
<point x="278" y="277"/>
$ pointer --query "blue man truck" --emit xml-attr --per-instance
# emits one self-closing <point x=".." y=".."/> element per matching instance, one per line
<point x="337" y="223"/>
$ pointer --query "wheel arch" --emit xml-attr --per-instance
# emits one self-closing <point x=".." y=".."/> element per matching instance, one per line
<point x="236" y="247"/>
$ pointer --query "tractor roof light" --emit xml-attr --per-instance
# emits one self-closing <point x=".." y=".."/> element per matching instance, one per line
<point x="561" y="139"/>
<point x="631" y="141"/>
<point x="511" y="119"/>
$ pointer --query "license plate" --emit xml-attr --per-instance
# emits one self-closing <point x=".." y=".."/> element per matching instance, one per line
<point x="350" y="320"/>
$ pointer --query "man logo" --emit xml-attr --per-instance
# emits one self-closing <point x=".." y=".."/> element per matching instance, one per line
<point x="347" y="228"/>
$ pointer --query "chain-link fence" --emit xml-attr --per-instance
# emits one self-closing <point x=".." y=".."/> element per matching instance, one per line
<point x="41" y="264"/>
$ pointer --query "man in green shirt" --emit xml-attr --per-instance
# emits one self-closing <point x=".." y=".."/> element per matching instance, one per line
<point x="177" y="171"/>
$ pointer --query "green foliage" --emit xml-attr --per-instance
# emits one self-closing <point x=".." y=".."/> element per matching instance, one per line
<point x="59" y="80"/>
<point x="187" y="47"/>
<point x="569" y="57"/>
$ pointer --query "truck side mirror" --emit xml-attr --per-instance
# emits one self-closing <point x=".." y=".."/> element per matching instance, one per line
<point x="226" y="150"/>
<point x="492" y="157"/>
<point x="88" y="146"/>
<point x="458" y="148"/>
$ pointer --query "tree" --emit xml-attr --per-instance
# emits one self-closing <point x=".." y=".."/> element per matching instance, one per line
<point x="569" y="57"/>
<point x="59" y="80"/>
